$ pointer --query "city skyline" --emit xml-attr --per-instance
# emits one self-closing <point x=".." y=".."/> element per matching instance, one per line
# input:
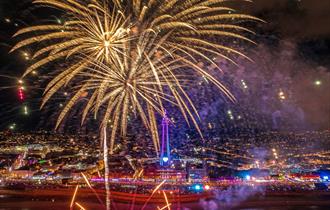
<point x="164" y="104"/>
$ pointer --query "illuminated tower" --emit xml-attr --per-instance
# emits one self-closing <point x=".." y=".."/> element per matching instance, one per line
<point x="165" y="155"/>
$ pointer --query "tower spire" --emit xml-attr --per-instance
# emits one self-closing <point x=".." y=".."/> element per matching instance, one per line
<point x="165" y="154"/>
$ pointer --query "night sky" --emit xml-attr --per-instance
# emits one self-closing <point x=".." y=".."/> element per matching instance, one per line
<point x="304" y="22"/>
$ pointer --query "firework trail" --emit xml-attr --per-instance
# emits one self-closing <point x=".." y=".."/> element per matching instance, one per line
<point x="74" y="197"/>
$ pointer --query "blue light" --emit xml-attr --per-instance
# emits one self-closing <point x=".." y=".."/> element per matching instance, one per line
<point x="326" y="178"/>
<point x="198" y="187"/>
<point x="247" y="177"/>
<point x="165" y="159"/>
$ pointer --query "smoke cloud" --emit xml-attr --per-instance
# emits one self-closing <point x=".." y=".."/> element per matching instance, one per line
<point x="231" y="197"/>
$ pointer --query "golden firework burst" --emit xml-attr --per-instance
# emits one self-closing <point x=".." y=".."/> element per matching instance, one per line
<point x="134" y="55"/>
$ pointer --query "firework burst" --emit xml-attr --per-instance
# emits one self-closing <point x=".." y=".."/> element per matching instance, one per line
<point x="133" y="56"/>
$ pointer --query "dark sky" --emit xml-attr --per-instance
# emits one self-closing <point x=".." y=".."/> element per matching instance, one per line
<point x="296" y="18"/>
<point x="306" y="22"/>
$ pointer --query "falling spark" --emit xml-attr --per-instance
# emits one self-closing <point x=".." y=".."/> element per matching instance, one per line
<point x="167" y="204"/>
<point x="153" y="192"/>
<point x="90" y="186"/>
<point x="80" y="206"/>
<point x="158" y="186"/>
<point x="140" y="174"/>
<point x="26" y="110"/>
<point x="86" y="180"/>
<point x="106" y="168"/>
<point x="74" y="196"/>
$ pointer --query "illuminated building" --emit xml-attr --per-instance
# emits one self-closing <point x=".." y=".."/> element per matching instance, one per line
<point x="197" y="175"/>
